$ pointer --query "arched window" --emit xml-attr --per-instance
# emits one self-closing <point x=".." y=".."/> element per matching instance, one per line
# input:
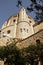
<point x="21" y="29"/>
<point x="27" y="30"/>
<point x="24" y="29"/>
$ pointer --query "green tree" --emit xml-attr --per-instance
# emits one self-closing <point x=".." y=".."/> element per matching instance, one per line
<point x="33" y="54"/>
<point x="12" y="55"/>
<point x="36" y="7"/>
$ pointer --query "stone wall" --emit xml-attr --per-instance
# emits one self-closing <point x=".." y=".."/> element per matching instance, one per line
<point x="25" y="42"/>
<point x="31" y="40"/>
<point x="38" y="27"/>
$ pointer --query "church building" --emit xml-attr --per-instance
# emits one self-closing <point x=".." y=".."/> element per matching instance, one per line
<point x="21" y="27"/>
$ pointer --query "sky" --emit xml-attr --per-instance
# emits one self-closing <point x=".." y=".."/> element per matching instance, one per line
<point x="8" y="8"/>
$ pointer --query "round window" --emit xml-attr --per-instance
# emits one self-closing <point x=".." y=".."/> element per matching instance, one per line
<point x="8" y="32"/>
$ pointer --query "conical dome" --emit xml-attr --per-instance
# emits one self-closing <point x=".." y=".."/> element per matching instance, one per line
<point x="22" y="15"/>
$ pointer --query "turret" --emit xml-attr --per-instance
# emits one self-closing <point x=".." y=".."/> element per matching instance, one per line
<point x="24" y="26"/>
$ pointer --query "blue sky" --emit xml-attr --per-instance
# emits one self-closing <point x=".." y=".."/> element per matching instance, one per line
<point x="8" y="8"/>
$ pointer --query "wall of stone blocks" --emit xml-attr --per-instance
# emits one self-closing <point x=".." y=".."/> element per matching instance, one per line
<point x="38" y="27"/>
<point x="31" y="40"/>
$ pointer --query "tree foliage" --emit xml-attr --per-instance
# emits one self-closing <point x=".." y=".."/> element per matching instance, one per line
<point x="12" y="55"/>
<point x="36" y="6"/>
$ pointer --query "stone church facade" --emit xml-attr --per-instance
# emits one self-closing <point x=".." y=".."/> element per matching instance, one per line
<point x="22" y="28"/>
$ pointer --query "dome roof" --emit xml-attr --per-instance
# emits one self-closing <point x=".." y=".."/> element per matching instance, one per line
<point x="21" y="16"/>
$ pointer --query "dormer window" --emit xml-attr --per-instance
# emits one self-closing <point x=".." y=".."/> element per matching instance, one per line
<point x="30" y="21"/>
<point x="0" y="30"/>
<point x="14" y="20"/>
